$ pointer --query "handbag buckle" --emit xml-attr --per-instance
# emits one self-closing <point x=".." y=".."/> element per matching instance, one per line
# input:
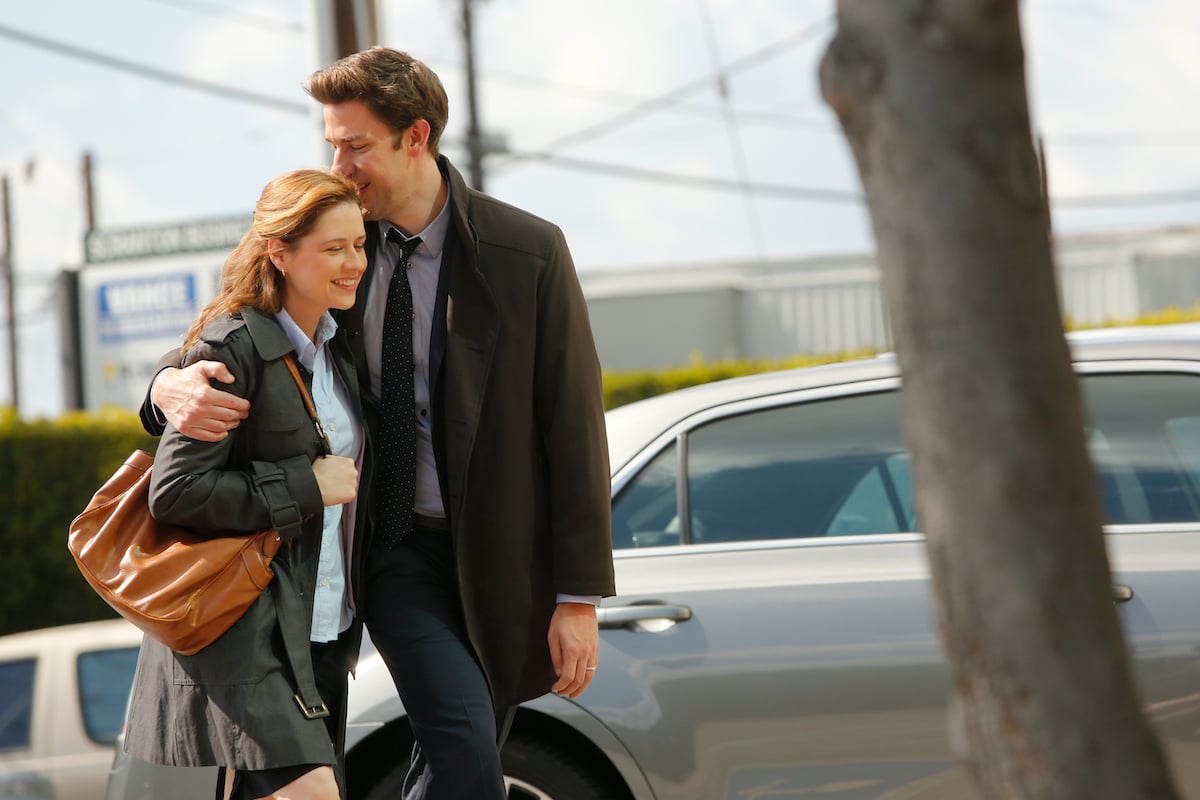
<point x="310" y="712"/>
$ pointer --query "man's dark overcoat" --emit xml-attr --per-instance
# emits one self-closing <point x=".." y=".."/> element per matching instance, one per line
<point x="518" y="431"/>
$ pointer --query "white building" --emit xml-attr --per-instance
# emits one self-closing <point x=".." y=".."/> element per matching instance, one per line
<point x="658" y="316"/>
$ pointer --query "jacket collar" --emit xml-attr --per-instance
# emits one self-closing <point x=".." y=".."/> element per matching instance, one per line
<point x="269" y="339"/>
<point x="460" y="197"/>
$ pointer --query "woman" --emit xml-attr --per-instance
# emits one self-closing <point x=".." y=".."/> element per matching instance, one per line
<point x="266" y="701"/>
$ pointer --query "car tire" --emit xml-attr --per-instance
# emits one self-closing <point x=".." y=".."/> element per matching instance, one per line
<point x="533" y="770"/>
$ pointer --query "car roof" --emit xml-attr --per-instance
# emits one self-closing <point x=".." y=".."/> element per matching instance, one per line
<point x="632" y="426"/>
<point x="102" y="633"/>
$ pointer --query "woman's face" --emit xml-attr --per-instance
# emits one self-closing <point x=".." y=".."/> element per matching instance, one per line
<point x="322" y="270"/>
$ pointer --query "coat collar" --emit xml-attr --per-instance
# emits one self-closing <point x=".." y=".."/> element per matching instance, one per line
<point x="269" y="338"/>
<point x="270" y="342"/>
<point x="460" y="211"/>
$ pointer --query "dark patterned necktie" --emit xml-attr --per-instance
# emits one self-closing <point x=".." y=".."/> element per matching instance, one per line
<point x="396" y="487"/>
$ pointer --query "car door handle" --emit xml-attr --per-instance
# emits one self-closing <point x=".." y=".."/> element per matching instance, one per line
<point x="1122" y="593"/>
<point x="642" y="616"/>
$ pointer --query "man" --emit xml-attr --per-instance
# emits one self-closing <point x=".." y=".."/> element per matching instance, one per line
<point x="489" y="597"/>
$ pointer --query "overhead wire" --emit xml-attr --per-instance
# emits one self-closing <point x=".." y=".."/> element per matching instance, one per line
<point x="153" y="73"/>
<point x="691" y="181"/>
<point x="1123" y="139"/>
<point x="277" y="24"/>
<point x="535" y="82"/>
<point x="546" y="155"/>
<point x="737" y="151"/>
<point x="676" y="95"/>
<point x="1161" y="198"/>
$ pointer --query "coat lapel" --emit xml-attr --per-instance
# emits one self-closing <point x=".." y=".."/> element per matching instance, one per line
<point x="470" y="342"/>
<point x="351" y="321"/>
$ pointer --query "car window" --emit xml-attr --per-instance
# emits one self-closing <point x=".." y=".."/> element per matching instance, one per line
<point x="646" y="515"/>
<point x="1145" y="443"/>
<point x="824" y="468"/>
<point x="870" y="507"/>
<point x="105" y="678"/>
<point x="1184" y="436"/>
<point x="16" y="703"/>
<point x="811" y="469"/>
<point x="838" y="467"/>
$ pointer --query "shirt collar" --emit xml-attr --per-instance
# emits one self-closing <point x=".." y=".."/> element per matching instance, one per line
<point x="326" y="328"/>
<point x="433" y="238"/>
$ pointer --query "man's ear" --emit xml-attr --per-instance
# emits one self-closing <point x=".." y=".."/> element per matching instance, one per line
<point x="417" y="135"/>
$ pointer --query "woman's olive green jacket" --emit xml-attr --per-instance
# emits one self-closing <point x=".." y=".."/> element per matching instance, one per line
<point x="235" y="703"/>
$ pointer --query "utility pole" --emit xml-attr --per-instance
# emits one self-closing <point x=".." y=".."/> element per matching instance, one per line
<point x="342" y="27"/>
<point x="474" y="135"/>
<point x="339" y="28"/>
<point x="10" y="291"/>
<point x="89" y="195"/>
<point x="354" y="26"/>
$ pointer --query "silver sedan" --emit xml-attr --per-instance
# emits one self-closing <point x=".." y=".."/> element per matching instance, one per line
<point x="773" y="636"/>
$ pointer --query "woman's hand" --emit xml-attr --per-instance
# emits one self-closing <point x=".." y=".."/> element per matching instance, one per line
<point x="338" y="479"/>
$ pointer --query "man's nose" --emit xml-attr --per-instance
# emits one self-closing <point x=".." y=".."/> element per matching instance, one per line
<point x="341" y="163"/>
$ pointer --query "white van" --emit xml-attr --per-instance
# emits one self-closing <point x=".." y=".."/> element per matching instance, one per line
<point x="63" y="692"/>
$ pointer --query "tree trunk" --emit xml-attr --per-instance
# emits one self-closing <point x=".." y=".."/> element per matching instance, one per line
<point x="931" y="95"/>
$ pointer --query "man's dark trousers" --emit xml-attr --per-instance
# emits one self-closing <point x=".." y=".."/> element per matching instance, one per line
<point x="414" y="617"/>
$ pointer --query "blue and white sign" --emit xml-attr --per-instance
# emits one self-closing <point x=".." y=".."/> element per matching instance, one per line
<point x="131" y="313"/>
<point x="137" y="308"/>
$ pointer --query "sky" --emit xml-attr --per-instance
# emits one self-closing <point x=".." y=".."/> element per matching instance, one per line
<point x="610" y="115"/>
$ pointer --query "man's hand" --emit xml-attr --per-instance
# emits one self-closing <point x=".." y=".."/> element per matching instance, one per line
<point x="193" y="406"/>
<point x="574" y="646"/>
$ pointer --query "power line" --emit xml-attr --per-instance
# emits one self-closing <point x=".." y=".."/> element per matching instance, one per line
<point x="616" y="96"/>
<point x="691" y="181"/>
<point x="820" y="195"/>
<point x="737" y="151"/>
<point x="613" y="170"/>
<point x="674" y="96"/>
<point x="1124" y="138"/>
<point x="235" y="15"/>
<point x="153" y="73"/>
<point x="1177" y="25"/>
<point x="1092" y="139"/>
<point x="233" y="93"/>
<point x="1163" y="198"/>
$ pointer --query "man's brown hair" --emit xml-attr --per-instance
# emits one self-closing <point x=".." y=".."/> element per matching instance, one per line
<point x="397" y="88"/>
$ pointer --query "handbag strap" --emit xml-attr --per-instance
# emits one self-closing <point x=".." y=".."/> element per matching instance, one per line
<point x="290" y="360"/>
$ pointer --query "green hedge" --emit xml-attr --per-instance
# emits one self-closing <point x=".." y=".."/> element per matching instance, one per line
<point x="49" y="470"/>
<point x="625" y="387"/>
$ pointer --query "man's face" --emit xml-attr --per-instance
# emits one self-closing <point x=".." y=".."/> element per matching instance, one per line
<point x="364" y="151"/>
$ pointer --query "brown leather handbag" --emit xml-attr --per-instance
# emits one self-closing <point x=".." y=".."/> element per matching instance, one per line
<point x="179" y="587"/>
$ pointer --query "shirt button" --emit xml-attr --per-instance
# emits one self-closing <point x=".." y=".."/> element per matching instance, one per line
<point x="324" y="581"/>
